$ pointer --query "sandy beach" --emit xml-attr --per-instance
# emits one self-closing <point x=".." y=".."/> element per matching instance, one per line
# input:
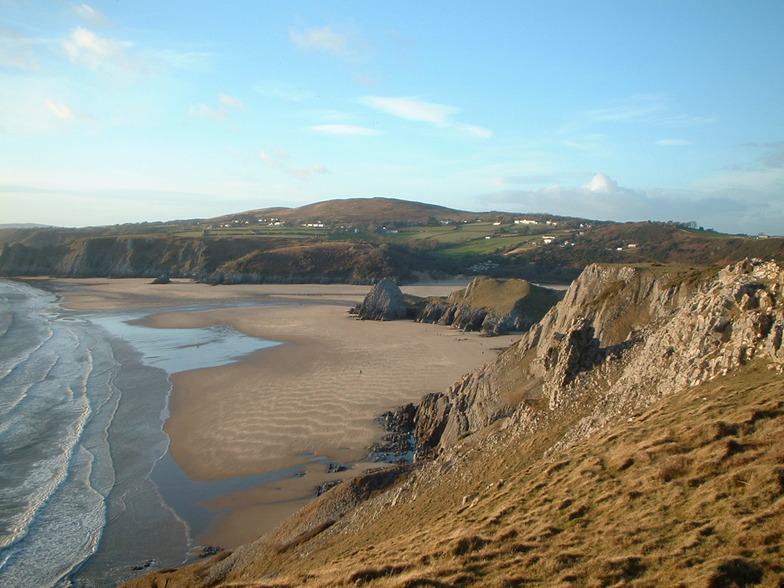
<point x="307" y="402"/>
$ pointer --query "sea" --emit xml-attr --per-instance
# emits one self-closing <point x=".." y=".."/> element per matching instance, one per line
<point x="84" y="465"/>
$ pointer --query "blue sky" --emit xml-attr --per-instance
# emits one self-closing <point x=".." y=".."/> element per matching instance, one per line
<point x="133" y="110"/>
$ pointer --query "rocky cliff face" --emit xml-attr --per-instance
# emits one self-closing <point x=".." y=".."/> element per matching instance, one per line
<point x="468" y="318"/>
<point x="622" y="338"/>
<point x="119" y="257"/>
<point x="212" y="260"/>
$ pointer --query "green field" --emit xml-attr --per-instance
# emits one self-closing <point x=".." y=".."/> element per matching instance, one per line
<point x="457" y="240"/>
<point x="486" y="246"/>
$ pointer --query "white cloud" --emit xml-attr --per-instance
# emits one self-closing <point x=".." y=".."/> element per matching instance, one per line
<point x="417" y="110"/>
<point x="101" y="54"/>
<point x="412" y="109"/>
<point x="601" y="183"/>
<point x="604" y="199"/>
<point x="343" y="130"/>
<point x="322" y="39"/>
<point x="277" y="159"/>
<point x="85" y="44"/>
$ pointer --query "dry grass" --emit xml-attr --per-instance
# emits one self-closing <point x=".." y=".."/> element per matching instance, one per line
<point x="500" y="296"/>
<point x="689" y="494"/>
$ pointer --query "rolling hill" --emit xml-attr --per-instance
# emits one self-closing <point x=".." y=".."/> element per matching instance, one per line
<point x="365" y="240"/>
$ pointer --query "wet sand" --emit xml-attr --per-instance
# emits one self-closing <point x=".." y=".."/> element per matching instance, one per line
<point x="307" y="402"/>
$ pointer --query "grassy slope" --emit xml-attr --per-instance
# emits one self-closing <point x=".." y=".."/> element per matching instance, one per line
<point x="504" y="296"/>
<point x="500" y="296"/>
<point x="689" y="493"/>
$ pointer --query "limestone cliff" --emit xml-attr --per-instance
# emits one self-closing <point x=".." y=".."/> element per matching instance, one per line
<point x="625" y="336"/>
<point x="119" y="257"/>
<point x="212" y="260"/>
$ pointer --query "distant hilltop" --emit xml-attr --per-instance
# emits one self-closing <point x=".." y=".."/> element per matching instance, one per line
<point x="22" y="226"/>
<point x="362" y="210"/>
<point x="362" y="240"/>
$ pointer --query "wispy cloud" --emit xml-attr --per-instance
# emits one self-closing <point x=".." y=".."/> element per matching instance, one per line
<point x="277" y="159"/>
<point x="283" y="91"/>
<point x="637" y="108"/>
<point x="417" y="110"/>
<point x="231" y="101"/>
<point x="203" y="111"/>
<point x="764" y="173"/>
<point x="412" y="109"/>
<point x="644" y="108"/>
<point x="221" y="112"/>
<point x="62" y="111"/>
<point x="320" y="39"/>
<point x="18" y="51"/>
<point x="585" y="142"/>
<point x="336" y="129"/>
<point x="98" y="53"/>
<point x="772" y="154"/>
<point x="348" y="46"/>
<point x="92" y="17"/>
<point x="473" y="130"/>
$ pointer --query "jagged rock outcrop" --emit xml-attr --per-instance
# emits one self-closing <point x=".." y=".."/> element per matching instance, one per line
<point x="467" y="318"/>
<point x="489" y="306"/>
<point x="384" y="302"/>
<point x="626" y="336"/>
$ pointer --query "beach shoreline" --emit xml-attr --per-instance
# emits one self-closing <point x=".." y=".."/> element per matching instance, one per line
<point x="295" y="407"/>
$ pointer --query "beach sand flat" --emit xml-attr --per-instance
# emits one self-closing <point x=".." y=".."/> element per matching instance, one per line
<point x="310" y="400"/>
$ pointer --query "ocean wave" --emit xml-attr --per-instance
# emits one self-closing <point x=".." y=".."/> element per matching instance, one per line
<point x="52" y="488"/>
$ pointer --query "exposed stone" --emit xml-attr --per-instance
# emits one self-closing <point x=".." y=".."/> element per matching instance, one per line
<point x="384" y="302"/>
<point x="626" y="335"/>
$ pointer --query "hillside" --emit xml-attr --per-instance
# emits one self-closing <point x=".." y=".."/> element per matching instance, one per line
<point x="632" y="437"/>
<point x="364" y="240"/>
<point x="365" y="210"/>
